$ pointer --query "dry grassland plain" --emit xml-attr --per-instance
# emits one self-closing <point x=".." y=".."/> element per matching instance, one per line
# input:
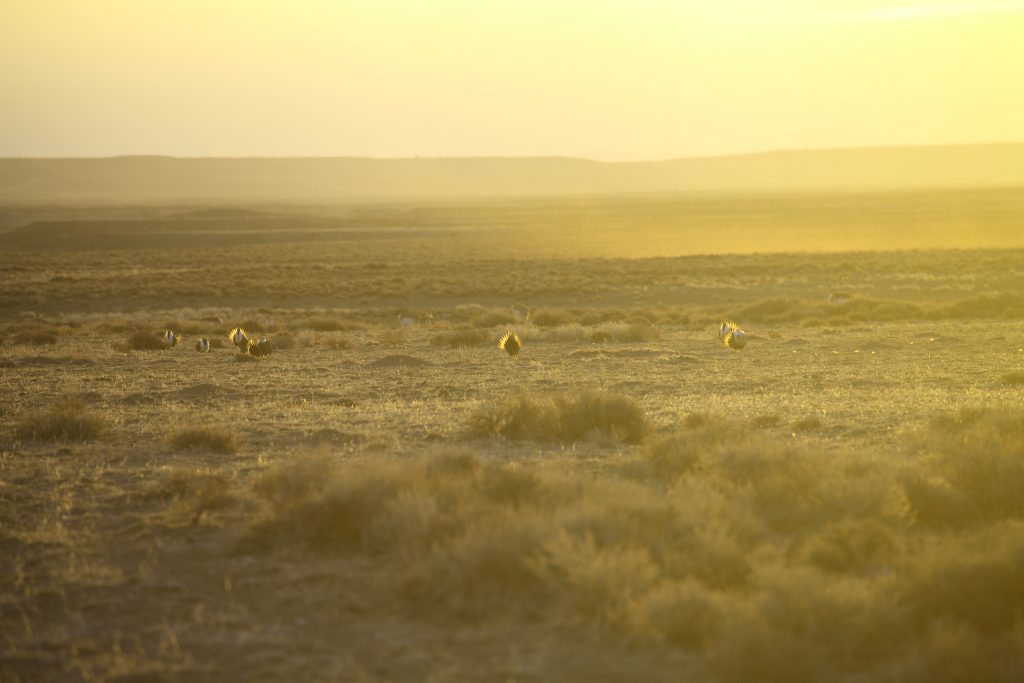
<point x="388" y="497"/>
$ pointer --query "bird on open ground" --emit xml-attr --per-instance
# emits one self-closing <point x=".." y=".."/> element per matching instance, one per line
<point x="258" y="348"/>
<point x="510" y="343"/>
<point x="203" y="345"/>
<point x="170" y="339"/>
<point x="240" y="339"/>
<point x="732" y="336"/>
<point x="839" y="298"/>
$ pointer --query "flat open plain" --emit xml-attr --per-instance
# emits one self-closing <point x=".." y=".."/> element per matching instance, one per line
<point x="388" y="497"/>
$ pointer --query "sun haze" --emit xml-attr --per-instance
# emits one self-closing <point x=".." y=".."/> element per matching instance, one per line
<point x="604" y="80"/>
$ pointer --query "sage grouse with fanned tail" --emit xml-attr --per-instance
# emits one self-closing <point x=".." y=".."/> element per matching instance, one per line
<point x="732" y="336"/>
<point x="259" y="348"/>
<point x="510" y="343"/>
<point x="203" y="345"/>
<point x="240" y="339"/>
<point x="170" y="339"/>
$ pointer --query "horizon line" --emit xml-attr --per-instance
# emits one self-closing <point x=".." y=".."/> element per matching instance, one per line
<point x="491" y="157"/>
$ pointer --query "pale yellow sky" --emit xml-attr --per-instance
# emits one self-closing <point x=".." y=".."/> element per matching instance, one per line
<point x="602" y="79"/>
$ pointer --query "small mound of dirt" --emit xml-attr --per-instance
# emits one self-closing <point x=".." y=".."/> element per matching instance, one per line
<point x="399" y="360"/>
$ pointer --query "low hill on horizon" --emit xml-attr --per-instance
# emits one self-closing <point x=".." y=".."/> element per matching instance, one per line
<point x="152" y="179"/>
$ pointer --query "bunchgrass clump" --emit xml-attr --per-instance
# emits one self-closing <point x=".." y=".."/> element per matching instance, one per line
<point x="34" y="338"/>
<point x="563" y="417"/>
<point x="142" y="341"/>
<point x="1014" y="378"/>
<point x="197" y="491"/>
<point x="213" y="439"/>
<point x="461" y="338"/>
<point x="324" y="323"/>
<point x="65" y="420"/>
<point x="552" y="317"/>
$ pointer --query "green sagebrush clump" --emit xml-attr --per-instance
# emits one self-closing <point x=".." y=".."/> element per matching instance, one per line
<point x="66" y="420"/>
<point x="566" y="417"/>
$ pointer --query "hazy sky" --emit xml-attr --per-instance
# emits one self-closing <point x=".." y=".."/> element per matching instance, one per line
<point x="604" y="79"/>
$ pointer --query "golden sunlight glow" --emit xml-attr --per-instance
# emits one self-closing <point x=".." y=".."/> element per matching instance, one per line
<point x="593" y="78"/>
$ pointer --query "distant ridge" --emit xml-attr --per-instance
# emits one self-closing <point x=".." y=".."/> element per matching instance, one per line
<point x="154" y="179"/>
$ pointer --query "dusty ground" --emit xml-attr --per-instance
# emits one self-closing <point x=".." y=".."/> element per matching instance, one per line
<point x="128" y="555"/>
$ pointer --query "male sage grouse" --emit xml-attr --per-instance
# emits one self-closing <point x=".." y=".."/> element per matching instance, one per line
<point x="170" y="339"/>
<point x="203" y="345"/>
<point x="732" y="336"/>
<point x="259" y="348"/>
<point x="240" y="339"/>
<point x="511" y="343"/>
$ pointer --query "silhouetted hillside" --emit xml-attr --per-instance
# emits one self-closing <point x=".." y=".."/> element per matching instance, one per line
<point x="167" y="179"/>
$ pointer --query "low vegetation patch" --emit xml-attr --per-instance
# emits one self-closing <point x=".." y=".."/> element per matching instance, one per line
<point x="326" y="323"/>
<point x="34" y="338"/>
<point x="552" y="317"/>
<point x="214" y="439"/>
<point x="1015" y="378"/>
<point x="460" y="338"/>
<point x="142" y="341"/>
<point x="563" y="417"/>
<point x="65" y="420"/>
<point x="195" y="491"/>
<point x="819" y="311"/>
<point x="637" y="331"/>
<point x="763" y="559"/>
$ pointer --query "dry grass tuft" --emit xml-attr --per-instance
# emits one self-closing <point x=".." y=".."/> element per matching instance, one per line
<point x="197" y="491"/>
<point x="66" y="420"/>
<point x="637" y="331"/>
<point x="35" y="338"/>
<point x="807" y="424"/>
<point x="214" y="439"/>
<point x="563" y="417"/>
<point x="258" y="326"/>
<point x="461" y="338"/>
<point x="552" y="317"/>
<point x="766" y="421"/>
<point x="393" y="337"/>
<point x="325" y="323"/>
<point x="141" y="341"/>
<point x="1015" y="378"/>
